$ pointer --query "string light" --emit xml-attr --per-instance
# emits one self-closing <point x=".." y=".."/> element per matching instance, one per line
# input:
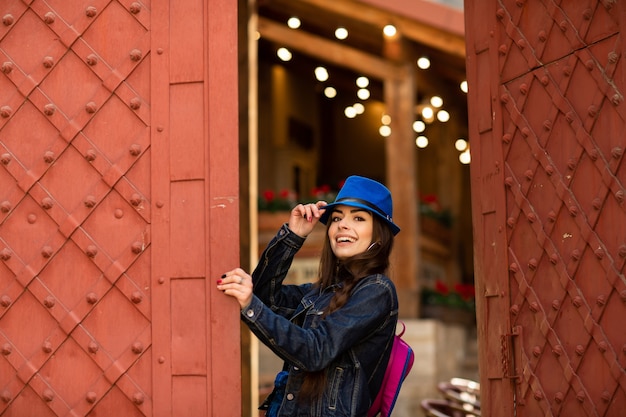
<point x="293" y="22"/>
<point x="363" y="93"/>
<point x="330" y="92"/>
<point x="284" y="54"/>
<point x="443" y="116"/>
<point x="421" y="142"/>
<point x="463" y="86"/>
<point x="341" y="33"/>
<point x="390" y="31"/>
<point x="362" y="82"/>
<point x="423" y="63"/>
<point x="321" y="74"/>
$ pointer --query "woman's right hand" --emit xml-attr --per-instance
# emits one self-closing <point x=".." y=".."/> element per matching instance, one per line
<point x="304" y="217"/>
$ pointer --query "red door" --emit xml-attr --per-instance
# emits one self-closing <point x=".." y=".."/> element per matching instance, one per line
<point x="118" y="208"/>
<point x="547" y="119"/>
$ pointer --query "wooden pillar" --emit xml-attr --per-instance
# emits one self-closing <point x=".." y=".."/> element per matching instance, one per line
<point x="402" y="181"/>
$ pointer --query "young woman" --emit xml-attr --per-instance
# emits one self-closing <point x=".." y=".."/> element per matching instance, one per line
<point x="334" y="335"/>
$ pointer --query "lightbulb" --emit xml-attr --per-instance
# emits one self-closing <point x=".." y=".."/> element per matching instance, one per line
<point x="350" y="112"/>
<point x="362" y="82"/>
<point x="293" y="22"/>
<point x="330" y="92"/>
<point x="284" y="54"/>
<point x="423" y="63"/>
<point x="384" y="131"/>
<point x="436" y="101"/>
<point x="363" y="93"/>
<point x="341" y="33"/>
<point x="419" y="126"/>
<point x="428" y="113"/>
<point x="385" y="119"/>
<point x="465" y="157"/>
<point x="389" y="31"/>
<point x="460" y="145"/>
<point x="464" y="86"/>
<point x="443" y="116"/>
<point x="421" y="142"/>
<point x="321" y="74"/>
<point x="359" y="108"/>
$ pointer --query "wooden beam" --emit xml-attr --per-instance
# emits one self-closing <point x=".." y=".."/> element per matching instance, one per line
<point x="329" y="51"/>
<point x="419" y="31"/>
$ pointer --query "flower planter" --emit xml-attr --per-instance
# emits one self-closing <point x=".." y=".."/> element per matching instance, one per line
<point x="270" y="222"/>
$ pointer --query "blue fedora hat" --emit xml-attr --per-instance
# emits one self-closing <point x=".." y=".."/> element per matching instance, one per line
<point x="366" y="194"/>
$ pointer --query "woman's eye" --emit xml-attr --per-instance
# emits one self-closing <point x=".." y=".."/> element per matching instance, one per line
<point x="336" y="218"/>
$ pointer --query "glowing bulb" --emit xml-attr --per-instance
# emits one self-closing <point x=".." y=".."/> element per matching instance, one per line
<point x="464" y="86"/>
<point x="421" y="142"/>
<point x="341" y="33"/>
<point x="350" y="112"/>
<point x="423" y="63"/>
<point x="321" y="74"/>
<point x="428" y="113"/>
<point x="362" y="82"/>
<point x="389" y="31"/>
<point x="443" y="116"/>
<point x="436" y="101"/>
<point x="330" y="92"/>
<point x="359" y="108"/>
<point x="419" y="126"/>
<point x="293" y="22"/>
<point x="465" y="157"/>
<point x="363" y="93"/>
<point x="460" y="145"/>
<point x="385" y="131"/>
<point x="385" y="119"/>
<point x="284" y="54"/>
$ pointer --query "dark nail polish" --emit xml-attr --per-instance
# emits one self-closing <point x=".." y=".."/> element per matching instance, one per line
<point x="223" y="275"/>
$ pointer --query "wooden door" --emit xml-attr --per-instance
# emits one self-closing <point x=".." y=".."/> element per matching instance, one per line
<point x="547" y="120"/>
<point x="118" y="208"/>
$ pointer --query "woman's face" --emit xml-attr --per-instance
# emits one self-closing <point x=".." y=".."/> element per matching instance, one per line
<point x="350" y="231"/>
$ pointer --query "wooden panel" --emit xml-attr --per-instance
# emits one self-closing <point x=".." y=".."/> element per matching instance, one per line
<point x="187" y="235"/>
<point x="187" y="40"/>
<point x="189" y="338"/>
<point x="187" y="153"/>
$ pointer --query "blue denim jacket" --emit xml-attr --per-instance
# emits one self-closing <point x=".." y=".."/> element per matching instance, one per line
<point x="351" y="344"/>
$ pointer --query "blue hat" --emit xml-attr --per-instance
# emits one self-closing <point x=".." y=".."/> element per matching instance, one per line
<point x="366" y="194"/>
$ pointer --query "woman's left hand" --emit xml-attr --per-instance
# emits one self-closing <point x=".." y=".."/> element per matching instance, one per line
<point x="237" y="283"/>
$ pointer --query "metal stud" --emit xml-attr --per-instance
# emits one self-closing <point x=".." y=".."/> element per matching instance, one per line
<point x="90" y="201"/>
<point x="135" y="103"/>
<point x="93" y="347"/>
<point x="138" y="398"/>
<point x="5" y="158"/>
<point x="46" y="252"/>
<point x="91" y="251"/>
<point x="532" y="264"/>
<point x="136" y="297"/>
<point x="576" y="254"/>
<point x="6" y="111"/>
<point x="137" y="347"/>
<point x="7" y="67"/>
<point x="580" y="350"/>
<point x="5" y="254"/>
<point x="6" y="349"/>
<point x="137" y="247"/>
<point x="536" y="351"/>
<point x="47" y="346"/>
<point x="47" y="203"/>
<point x="48" y="395"/>
<point x="91" y="397"/>
<point x="49" y="301"/>
<point x="135" y="149"/>
<point x="8" y="19"/>
<point x="5" y="206"/>
<point x="559" y="397"/>
<point x="49" y="109"/>
<point x="5" y="301"/>
<point x="91" y="11"/>
<point x="135" y="8"/>
<point x="49" y="18"/>
<point x="91" y="298"/>
<point x="6" y="396"/>
<point x="135" y="55"/>
<point x="558" y="350"/>
<point x="135" y="199"/>
<point x="91" y="107"/>
<point x="90" y="155"/>
<point x="48" y="62"/>
<point x="92" y="60"/>
<point x="577" y="301"/>
<point x="48" y="157"/>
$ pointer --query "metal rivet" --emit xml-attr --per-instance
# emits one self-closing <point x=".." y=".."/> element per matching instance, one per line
<point x="563" y="25"/>
<point x="118" y="213"/>
<point x="135" y="199"/>
<point x="554" y="258"/>
<point x="46" y="347"/>
<point x="596" y="203"/>
<point x="504" y="98"/>
<point x="92" y="298"/>
<point x="47" y="203"/>
<point x="137" y="247"/>
<point x="534" y="307"/>
<point x="622" y="295"/>
<point x="567" y="71"/>
<point x="135" y="103"/>
<point x="5" y="206"/>
<point x="5" y="301"/>
<point x="46" y="252"/>
<point x="7" y="349"/>
<point x="48" y="395"/>
<point x="510" y="222"/>
<point x="599" y="253"/>
<point x="601" y="300"/>
<point x="536" y="351"/>
<point x="613" y="57"/>
<point x="558" y="350"/>
<point x="580" y="350"/>
<point x="547" y="125"/>
<point x="49" y="18"/>
<point x="573" y="211"/>
<point x="617" y="152"/>
<point x="508" y="181"/>
<point x="48" y="62"/>
<point x="160" y="51"/>
<point x="619" y="195"/>
<point x="576" y="254"/>
<point x="580" y="396"/>
<point x="5" y="254"/>
<point x="135" y="8"/>
<point x="587" y="14"/>
<point x="6" y="396"/>
<point x="91" y="397"/>
<point x="136" y="297"/>
<point x="159" y="128"/>
<point x="531" y="217"/>
<point x="91" y="251"/>
<point x="5" y="111"/>
<point x="538" y="395"/>
<point x="514" y="309"/>
<point x="48" y="157"/>
<point x="500" y="13"/>
<point x="138" y="398"/>
<point x="571" y="164"/>
<point x="532" y="264"/>
<point x="522" y="44"/>
<point x="556" y="304"/>
<point x="49" y="301"/>
<point x="90" y="155"/>
<point x="159" y="204"/>
<point x="161" y="280"/>
<point x="606" y="396"/>
<point x="590" y="64"/>
<point x="8" y="19"/>
<point x="137" y="347"/>
<point x="603" y="346"/>
<point x="7" y="67"/>
<point x="135" y="149"/>
<point x="135" y="55"/>
<point x="622" y="251"/>
<point x="593" y="154"/>
<point x="513" y="267"/>
<point x="49" y="109"/>
<point x="525" y="132"/>
<point x="542" y="36"/>
<point x="91" y="11"/>
<point x="523" y="88"/>
<point x="558" y="397"/>
<point x="616" y="99"/>
<point x="31" y="218"/>
<point x="506" y="138"/>
<point x="161" y="359"/>
<point x="577" y="301"/>
<point x="552" y="216"/>
<point x="544" y="80"/>
<point x="502" y="49"/>
<point x="92" y="60"/>
<point x="90" y="201"/>
<point x="93" y="347"/>
<point x="5" y="159"/>
<point x="91" y="107"/>
<point x="592" y="111"/>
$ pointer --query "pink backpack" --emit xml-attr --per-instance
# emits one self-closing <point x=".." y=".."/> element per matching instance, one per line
<point x="399" y="366"/>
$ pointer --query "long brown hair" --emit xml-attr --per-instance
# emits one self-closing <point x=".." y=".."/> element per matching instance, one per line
<point x="349" y="272"/>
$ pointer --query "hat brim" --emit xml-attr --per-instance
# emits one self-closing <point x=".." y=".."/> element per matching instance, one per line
<point x="328" y="209"/>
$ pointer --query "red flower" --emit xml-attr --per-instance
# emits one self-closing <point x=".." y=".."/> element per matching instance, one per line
<point x="441" y="288"/>
<point x="268" y="195"/>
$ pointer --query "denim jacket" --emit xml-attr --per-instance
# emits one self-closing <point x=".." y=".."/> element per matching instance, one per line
<point x="352" y="345"/>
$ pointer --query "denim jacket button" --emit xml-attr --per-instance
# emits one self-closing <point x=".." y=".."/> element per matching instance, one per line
<point x="250" y="313"/>
<point x="295" y="368"/>
<point x="290" y="396"/>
